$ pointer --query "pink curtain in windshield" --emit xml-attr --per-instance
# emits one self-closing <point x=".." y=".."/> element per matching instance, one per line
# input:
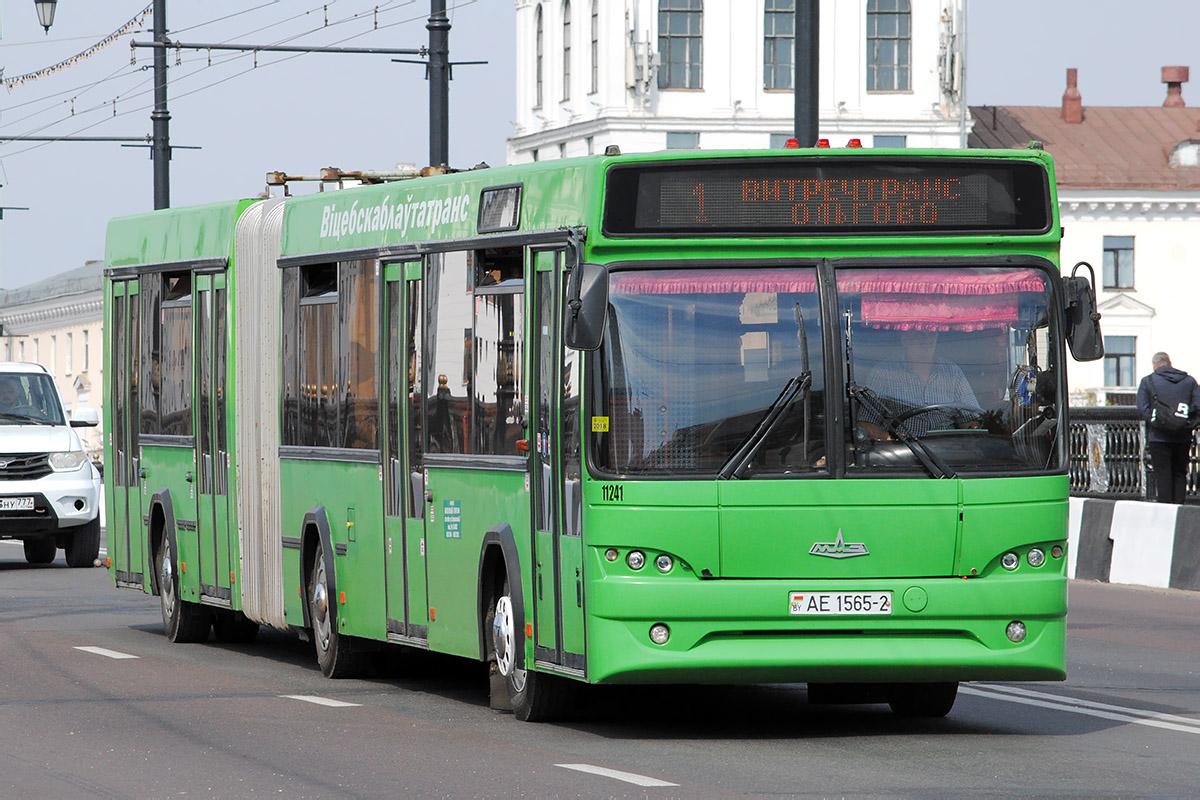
<point x="714" y="281"/>
<point x="905" y="312"/>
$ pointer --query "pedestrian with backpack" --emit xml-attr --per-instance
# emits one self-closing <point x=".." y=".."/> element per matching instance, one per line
<point x="1169" y="401"/>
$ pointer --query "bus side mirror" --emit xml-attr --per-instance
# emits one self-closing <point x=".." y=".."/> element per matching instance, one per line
<point x="586" y="307"/>
<point x="1083" y="320"/>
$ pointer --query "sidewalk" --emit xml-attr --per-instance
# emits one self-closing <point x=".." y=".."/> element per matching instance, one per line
<point x="1133" y="542"/>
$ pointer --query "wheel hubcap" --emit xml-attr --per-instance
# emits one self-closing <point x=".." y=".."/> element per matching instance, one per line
<point x="502" y="636"/>
<point x="167" y="580"/>
<point x="320" y="608"/>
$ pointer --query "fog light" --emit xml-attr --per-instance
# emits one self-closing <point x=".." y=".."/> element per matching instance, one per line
<point x="1036" y="557"/>
<point x="611" y="554"/>
<point x="1009" y="561"/>
<point x="664" y="563"/>
<point x="1056" y="551"/>
<point x="1016" y="631"/>
<point x="659" y="633"/>
<point x="636" y="559"/>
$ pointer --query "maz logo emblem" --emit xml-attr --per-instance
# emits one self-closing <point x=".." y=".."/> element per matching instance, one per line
<point x="839" y="548"/>
<point x="3" y="464"/>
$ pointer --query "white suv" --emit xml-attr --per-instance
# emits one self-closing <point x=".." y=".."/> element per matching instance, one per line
<point x="49" y="489"/>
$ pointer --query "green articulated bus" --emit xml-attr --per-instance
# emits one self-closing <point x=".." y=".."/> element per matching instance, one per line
<point x="702" y="417"/>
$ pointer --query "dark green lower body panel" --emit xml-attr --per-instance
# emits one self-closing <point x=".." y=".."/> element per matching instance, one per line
<point x="740" y="631"/>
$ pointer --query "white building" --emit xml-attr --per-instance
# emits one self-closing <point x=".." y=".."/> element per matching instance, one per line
<point x="57" y="323"/>
<point x="658" y="74"/>
<point x="1129" y="196"/>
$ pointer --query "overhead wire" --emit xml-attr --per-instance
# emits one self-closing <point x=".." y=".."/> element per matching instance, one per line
<point x="386" y="7"/>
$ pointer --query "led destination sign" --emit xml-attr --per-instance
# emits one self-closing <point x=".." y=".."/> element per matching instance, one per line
<point x="795" y="196"/>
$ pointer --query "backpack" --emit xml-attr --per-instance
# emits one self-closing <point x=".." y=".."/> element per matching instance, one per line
<point x="1171" y="420"/>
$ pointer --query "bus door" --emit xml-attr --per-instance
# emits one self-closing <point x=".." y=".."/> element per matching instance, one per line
<point x="404" y="481"/>
<point x="125" y="531"/>
<point x="555" y="476"/>
<point x="211" y="475"/>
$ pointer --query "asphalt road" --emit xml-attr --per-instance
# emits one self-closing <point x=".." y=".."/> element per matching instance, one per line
<point x="139" y="717"/>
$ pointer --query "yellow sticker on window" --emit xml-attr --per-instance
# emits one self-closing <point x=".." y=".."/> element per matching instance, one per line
<point x="599" y="424"/>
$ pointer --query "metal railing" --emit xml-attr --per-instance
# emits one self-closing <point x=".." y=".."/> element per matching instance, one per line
<point x="1105" y="447"/>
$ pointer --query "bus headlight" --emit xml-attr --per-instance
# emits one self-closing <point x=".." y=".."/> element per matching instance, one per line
<point x="1009" y="560"/>
<point x="1036" y="557"/>
<point x="1015" y="631"/>
<point x="659" y="633"/>
<point x="664" y="563"/>
<point x="636" y="559"/>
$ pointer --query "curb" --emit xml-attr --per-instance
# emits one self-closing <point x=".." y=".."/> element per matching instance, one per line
<point x="1134" y="542"/>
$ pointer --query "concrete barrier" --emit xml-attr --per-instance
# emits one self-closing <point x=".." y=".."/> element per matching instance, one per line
<point x="1133" y="542"/>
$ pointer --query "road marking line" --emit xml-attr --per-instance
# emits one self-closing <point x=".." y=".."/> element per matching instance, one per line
<point x="1091" y="704"/>
<point x="628" y="777"/>
<point x="321" y="701"/>
<point x="1074" y="706"/>
<point x="100" y="651"/>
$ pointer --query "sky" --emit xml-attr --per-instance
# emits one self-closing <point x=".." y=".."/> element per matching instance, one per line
<point x="250" y="115"/>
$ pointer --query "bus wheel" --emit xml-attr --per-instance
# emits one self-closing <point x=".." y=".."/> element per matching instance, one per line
<point x="184" y="621"/>
<point x="40" y="551"/>
<point x="335" y="652"/>
<point x="83" y="548"/>
<point x="923" y="699"/>
<point x="232" y="627"/>
<point x="535" y="696"/>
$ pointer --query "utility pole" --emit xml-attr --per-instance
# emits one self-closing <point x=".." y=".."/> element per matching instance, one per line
<point x="439" y="84"/>
<point x="160" y="148"/>
<point x="808" y="63"/>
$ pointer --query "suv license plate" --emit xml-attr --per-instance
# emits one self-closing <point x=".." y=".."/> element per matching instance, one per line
<point x="16" y="504"/>
<point x="837" y="603"/>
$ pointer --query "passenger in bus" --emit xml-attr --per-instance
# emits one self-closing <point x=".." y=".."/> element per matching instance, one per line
<point x="919" y="378"/>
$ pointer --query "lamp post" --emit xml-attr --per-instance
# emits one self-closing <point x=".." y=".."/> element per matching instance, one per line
<point x="45" y="12"/>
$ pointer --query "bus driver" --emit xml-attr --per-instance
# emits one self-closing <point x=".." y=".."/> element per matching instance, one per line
<point x="918" y="379"/>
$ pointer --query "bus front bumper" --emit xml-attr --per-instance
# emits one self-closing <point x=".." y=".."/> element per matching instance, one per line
<point x="741" y="631"/>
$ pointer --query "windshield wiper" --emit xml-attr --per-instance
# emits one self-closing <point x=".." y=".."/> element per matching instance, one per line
<point x="22" y="418"/>
<point x="737" y="463"/>
<point x="936" y="467"/>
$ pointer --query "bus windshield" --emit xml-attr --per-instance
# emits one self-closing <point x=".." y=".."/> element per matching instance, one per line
<point x="721" y="372"/>
<point x="693" y="362"/>
<point x="950" y="370"/>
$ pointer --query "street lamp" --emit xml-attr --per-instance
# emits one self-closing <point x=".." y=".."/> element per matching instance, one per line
<point x="45" y="12"/>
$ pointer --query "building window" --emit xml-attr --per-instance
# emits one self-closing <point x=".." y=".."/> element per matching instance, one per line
<point x="537" y="102"/>
<point x="70" y="347"/>
<point x="85" y="351"/>
<point x="889" y="141"/>
<point x="1118" y="262"/>
<point x="680" y="45"/>
<point x="778" y="43"/>
<point x="683" y="140"/>
<point x="591" y="145"/>
<point x="1119" y="352"/>
<point x="595" y="46"/>
<point x="889" y="46"/>
<point x="22" y="346"/>
<point x="54" y="355"/>
<point x="566" y="92"/>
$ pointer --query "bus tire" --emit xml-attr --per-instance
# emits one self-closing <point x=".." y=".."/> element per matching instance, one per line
<point x="184" y="622"/>
<point x="232" y="627"/>
<point x="83" y="548"/>
<point x="923" y="699"/>
<point x="40" y="550"/>
<point x="335" y="652"/>
<point x="534" y="696"/>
